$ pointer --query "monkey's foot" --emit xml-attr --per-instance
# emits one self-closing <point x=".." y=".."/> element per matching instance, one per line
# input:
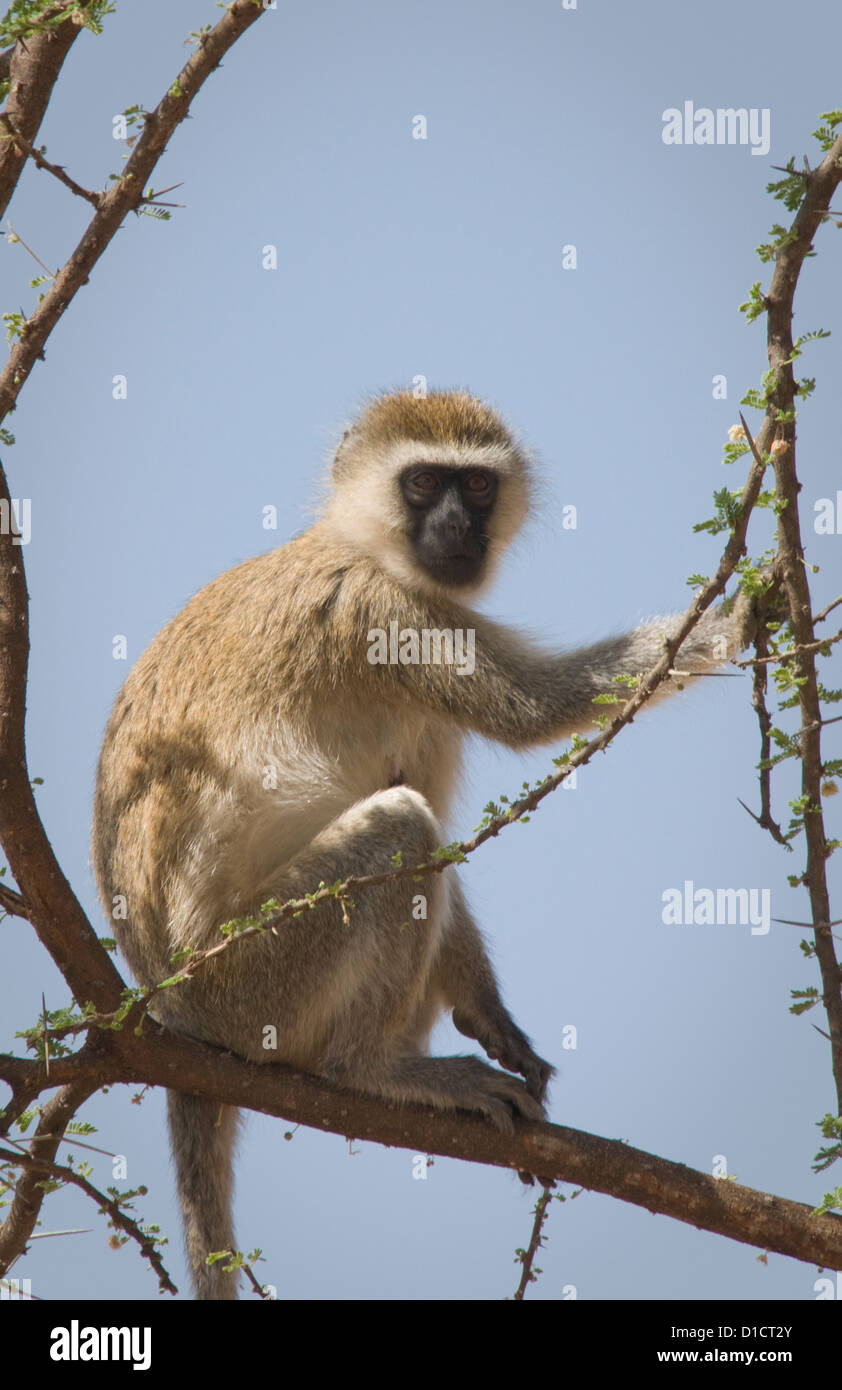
<point x="503" y="1042"/>
<point x="462" y="1083"/>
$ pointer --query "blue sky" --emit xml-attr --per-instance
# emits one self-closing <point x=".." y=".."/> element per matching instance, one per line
<point x="444" y="257"/>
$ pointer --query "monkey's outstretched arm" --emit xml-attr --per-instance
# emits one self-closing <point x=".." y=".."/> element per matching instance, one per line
<point x="514" y="692"/>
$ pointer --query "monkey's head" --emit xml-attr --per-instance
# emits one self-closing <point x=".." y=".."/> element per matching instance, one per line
<point x="431" y="487"/>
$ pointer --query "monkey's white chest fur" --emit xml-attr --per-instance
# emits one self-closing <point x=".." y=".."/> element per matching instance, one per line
<point x="281" y="790"/>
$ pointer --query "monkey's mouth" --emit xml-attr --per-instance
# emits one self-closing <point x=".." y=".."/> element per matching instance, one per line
<point x="455" y="569"/>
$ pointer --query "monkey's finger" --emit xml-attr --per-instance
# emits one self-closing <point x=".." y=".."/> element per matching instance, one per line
<point x="536" y="1073"/>
<point x="538" y="1077"/>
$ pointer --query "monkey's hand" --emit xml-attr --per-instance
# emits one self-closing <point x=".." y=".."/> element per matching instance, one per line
<point x="737" y="619"/>
<point x="502" y="1040"/>
<point x="719" y="636"/>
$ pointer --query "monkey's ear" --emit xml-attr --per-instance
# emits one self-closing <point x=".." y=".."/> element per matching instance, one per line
<point x="339" y="456"/>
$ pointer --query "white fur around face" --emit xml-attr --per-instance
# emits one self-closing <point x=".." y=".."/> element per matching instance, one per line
<point x="412" y="451"/>
<point x="368" y="511"/>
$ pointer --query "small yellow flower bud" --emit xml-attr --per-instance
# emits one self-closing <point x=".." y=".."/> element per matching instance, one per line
<point x="779" y="447"/>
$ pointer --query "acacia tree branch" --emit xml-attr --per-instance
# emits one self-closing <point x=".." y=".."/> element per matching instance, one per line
<point x="124" y="196"/>
<point x="49" y="901"/>
<point x="11" y="902"/>
<point x="33" y="69"/>
<point x="159" y="1058"/>
<point x="820" y="617"/>
<point x="26" y="1204"/>
<point x="529" y="1273"/>
<point x="37" y="1169"/>
<point x="22" y="1074"/>
<point x="553" y="1151"/>
<point x="760" y="681"/>
<point x="27" y="148"/>
<point x="820" y="185"/>
<point x="822" y="645"/>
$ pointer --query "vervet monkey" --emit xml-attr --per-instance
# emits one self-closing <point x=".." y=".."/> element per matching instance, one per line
<point x="263" y="744"/>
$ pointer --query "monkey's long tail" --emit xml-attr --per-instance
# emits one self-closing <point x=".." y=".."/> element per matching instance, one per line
<point x="203" y="1135"/>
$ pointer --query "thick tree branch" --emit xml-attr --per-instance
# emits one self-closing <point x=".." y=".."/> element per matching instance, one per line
<point x="50" y="903"/>
<point x="554" y="1151"/>
<point x="820" y="185"/>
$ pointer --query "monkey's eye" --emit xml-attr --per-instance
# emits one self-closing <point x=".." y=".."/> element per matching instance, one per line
<point x="477" y="483"/>
<point x="425" y="480"/>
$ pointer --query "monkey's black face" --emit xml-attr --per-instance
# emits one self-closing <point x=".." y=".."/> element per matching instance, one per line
<point x="448" y="511"/>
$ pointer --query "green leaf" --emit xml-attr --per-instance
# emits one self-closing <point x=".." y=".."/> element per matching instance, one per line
<point x="755" y="305"/>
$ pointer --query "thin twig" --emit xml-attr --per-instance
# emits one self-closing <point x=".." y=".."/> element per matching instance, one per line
<point x="125" y="195"/>
<point x="34" y="68"/>
<point x="14" y="237"/>
<point x="788" y="656"/>
<point x="820" y="617"/>
<point x="39" y="159"/>
<point x="11" y="902"/>
<point x="109" y="1206"/>
<point x="527" y="1257"/>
